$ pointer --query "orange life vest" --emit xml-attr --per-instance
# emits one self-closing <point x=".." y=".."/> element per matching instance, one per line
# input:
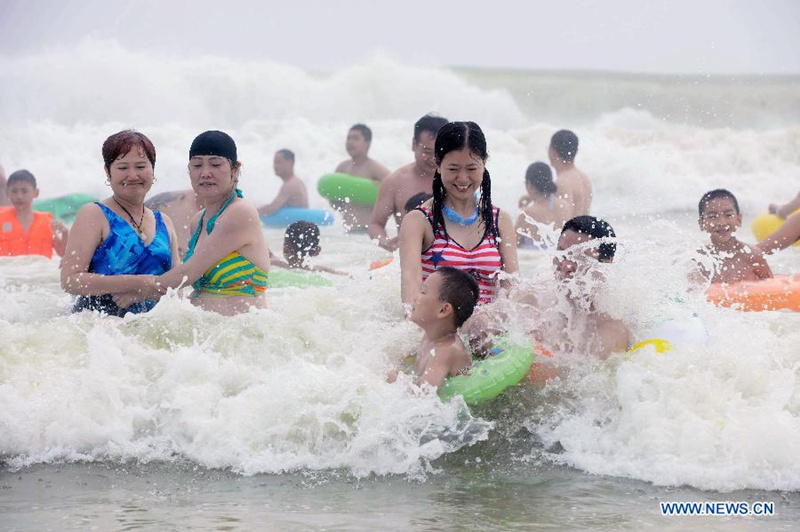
<point x="15" y="241"/>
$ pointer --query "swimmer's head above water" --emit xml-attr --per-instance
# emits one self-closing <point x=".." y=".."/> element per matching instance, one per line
<point x="454" y="141"/>
<point x="425" y="131"/>
<point x="448" y="293"/>
<point x="719" y="216"/>
<point x="359" y="138"/>
<point x="207" y="169"/>
<point x="301" y="241"/>
<point x="539" y="179"/>
<point x="283" y="163"/>
<point x="563" y="147"/>
<point x="578" y="233"/>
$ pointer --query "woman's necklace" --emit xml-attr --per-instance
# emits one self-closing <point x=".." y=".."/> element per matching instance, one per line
<point x="454" y="217"/>
<point x="136" y="226"/>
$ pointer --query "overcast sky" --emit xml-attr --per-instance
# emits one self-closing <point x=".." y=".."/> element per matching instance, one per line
<point x="686" y="36"/>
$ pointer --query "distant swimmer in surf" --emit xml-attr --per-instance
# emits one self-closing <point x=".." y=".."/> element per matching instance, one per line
<point x="573" y="185"/>
<point x="733" y="261"/>
<point x="406" y="181"/>
<point x="300" y="244"/>
<point x="180" y="206"/>
<point x="360" y="164"/>
<point x="543" y="206"/>
<point x="446" y="300"/>
<point x="293" y="192"/>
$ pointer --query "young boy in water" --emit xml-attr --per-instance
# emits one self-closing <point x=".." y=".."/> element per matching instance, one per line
<point x="446" y="300"/>
<point x="734" y="261"/>
<point x="24" y="231"/>
<point x="300" y="242"/>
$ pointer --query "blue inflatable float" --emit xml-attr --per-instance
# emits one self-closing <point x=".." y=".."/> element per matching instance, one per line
<point x="289" y="215"/>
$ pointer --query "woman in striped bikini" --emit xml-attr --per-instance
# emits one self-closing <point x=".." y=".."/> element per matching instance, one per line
<point x="227" y="258"/>
<point x="458" y="227"/>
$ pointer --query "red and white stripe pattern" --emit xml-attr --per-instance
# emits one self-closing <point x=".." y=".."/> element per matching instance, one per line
<point x="483" y="261"/>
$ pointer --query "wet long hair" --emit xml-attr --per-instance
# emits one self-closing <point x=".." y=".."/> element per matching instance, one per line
<point x="456" y="136"/>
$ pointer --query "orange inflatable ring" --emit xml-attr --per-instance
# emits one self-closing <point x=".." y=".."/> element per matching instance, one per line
<point x="780" y="293"/>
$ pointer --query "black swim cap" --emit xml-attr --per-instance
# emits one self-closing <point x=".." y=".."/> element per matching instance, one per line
<point x="214" y="143"/>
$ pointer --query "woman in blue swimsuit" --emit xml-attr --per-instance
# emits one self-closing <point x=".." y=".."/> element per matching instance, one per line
<point x="114" y="241"/>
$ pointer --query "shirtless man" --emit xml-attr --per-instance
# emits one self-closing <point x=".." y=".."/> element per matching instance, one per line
<point x="406" y="181"/>
<point x="180" y="206"/>
<point x="293" y="191"/>
<point x="359" y="139"/>
<point x="573" y="185"/>
<point x="3" y="196"/>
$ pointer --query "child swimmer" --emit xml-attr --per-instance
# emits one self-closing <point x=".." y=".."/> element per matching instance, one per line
<point x="734" y="261"/>
<point x="24" y="231"/>
<point x="446" y="300"/>
<point x="301" y="242"/>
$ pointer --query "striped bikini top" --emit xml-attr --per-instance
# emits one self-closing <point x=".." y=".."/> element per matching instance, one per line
<point x="234" y="275"/>
<point x="483" y="261"/>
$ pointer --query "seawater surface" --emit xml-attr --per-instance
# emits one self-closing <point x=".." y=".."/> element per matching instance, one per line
<point x="282" y="417"/>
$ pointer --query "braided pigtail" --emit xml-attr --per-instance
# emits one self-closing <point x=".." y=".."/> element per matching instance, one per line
<point x="486" y="204"/>
<point x="438" y="201"/>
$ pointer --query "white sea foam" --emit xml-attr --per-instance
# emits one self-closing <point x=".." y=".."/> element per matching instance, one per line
<point x="300" y="385"/>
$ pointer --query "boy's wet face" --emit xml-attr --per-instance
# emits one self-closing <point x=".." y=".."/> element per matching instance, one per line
<point x="427" y="305"/>
<point x="576" y="255"/>
<point x="21" y="194"/>
<point x="721" y="220"/>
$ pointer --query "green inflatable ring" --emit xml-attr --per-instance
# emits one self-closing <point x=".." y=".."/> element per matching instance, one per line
<point x="281" y="278"/>
<point x="63" y="208"/>
<point x="506" y="365"/>
<point x="339" y="187"/>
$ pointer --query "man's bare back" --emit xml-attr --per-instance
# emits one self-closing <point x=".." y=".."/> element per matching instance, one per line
<point x="576" y="189"/>
<point x="180" y="206"/>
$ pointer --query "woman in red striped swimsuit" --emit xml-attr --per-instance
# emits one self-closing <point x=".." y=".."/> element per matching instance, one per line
<point x="458" y="227"/>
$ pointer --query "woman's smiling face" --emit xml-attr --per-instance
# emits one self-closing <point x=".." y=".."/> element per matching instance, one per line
<point x="462" y="173"/>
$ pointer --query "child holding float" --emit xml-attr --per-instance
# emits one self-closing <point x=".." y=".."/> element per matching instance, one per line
<point x="446" y="300"/>
<point x="24" y="231"/>
<point x="734" y="261"/>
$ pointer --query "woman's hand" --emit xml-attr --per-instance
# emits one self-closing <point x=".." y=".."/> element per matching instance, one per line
<point x="149" y="288"/>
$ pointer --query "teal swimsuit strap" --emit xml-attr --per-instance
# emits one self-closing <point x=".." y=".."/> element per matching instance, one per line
<point x="210" y="226"/>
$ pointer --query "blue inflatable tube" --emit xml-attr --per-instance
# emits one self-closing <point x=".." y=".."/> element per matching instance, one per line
<point x="289" y="215"/>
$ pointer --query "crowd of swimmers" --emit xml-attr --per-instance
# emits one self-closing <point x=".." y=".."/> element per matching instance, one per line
<point x="457" y="249"/>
